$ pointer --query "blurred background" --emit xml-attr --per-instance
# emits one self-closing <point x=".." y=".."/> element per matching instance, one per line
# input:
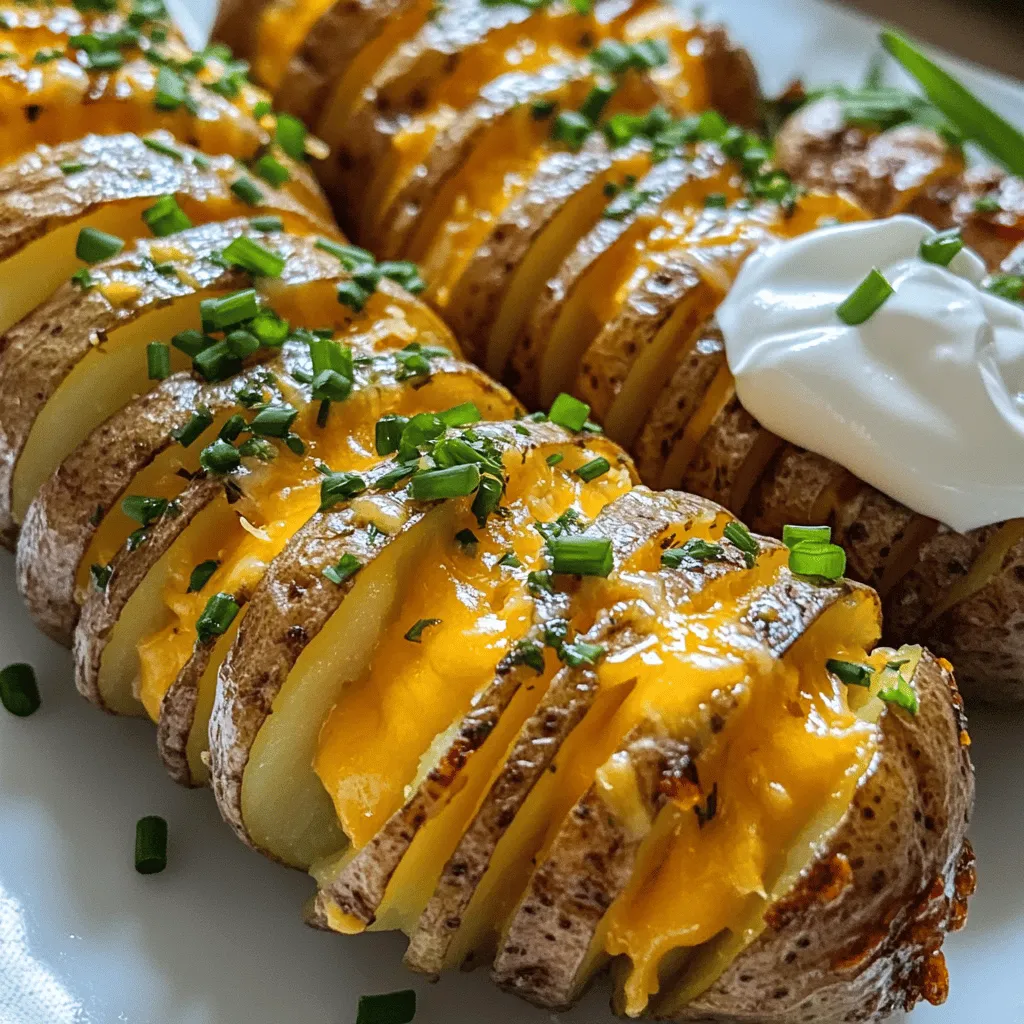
<point x="989" y="32"/>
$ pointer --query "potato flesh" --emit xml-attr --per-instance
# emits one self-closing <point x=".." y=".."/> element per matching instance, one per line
<point x="107" y="378"/>
<point x="372" y="742"/>
<point x="776" y="774"/>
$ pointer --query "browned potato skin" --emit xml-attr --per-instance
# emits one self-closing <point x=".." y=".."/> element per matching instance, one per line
<point x="287" y="610"/>
<point x="476" y="299"/>
<point x="328" y="49"/>
<point x="38" y="353"/>
<point x="859" y="936"/>
<point x="237" y="25"/>
<point x="543" y="953"/>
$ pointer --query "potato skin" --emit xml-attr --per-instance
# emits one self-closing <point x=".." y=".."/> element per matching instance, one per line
<point x="859" y="936"/>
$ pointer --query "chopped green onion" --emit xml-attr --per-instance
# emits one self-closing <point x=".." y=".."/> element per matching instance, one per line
<point x="233" y="426"/>
<point x="487" y="499"/>
<point x="510" y="561"/>
<point x="569" y="412"/>
<point x="230" y="310"/>
<point x="526" y="652"/>
<point x="540" y="581"/>
<point x="271" y="224"/>
<point x="271" y="329"/>
<point x="438" y="484"/>
<point x="274" y="421"/>
<point x="554" y="458"/>
<point x="988" y="204"/>
<point x="217" y="616"/>
<point x="220" y="458"/>
<point x="902" y="695"/>
<point x="217" y="362"/>
<point x="596" y="100"/>
<point x="467" y="538"/>
<point x="351" y="256"/>
<point x="460" y="415"/>
<point x="540" y="110"/>
<point x="579" y="652"/>
<point x="272" y="170"/>
<point x="191" y="342"/>
<point x="865" y="300"/>
<point x="337" y="487"/>
<point x="163" y="148"/>
<point x="593" y="469"/>
<point x="353" y="295"/>
<point x="975" y="120"/>
<point x="739" y="535"/>
<point x="388" y="433"/>
<point x="392" y="1008"/>
<point x="198" y="422"/>
<point x="291" y="136"/>
<point x="165" y="217"/>
<point x="150" y="845"/>
<point x="100" y="576"/>
<point x="793" y="535"/>
<point x="143" y="510"/>
<point x="942" y="247"/>
<point x="812" y="558"/>
<point x="94" y="245"/>
<point x="171" y="90"/>
<point x="851" y="673"/>
<point x="696" y="549"/>
<point x="83" y="279"/>
<point x="18" y="690"/>
<point x="580" y="555"/>
<point x="72" y="167"/>
<point x="415" y="632"/>
<point x="405" y="273"/>
<point x="201" y="574"/>
<point x="716" y="200"/>
<point x="242" y="343"/>
<point x="571" y="128"/>
<point x="345" y="568"/>
<point x="247" y="190"/>
<point x="1007" y="286"/>
<point x="158" y="360"/>
<point x="257" y="259"/>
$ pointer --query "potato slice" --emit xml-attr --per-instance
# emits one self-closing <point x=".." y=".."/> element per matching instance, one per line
<point x="44" y="208"/>
<point x="57" y="384"/>
<point x="829" y="935"/>
<point x="352" y="894"/>
<point x="267" y="717"/>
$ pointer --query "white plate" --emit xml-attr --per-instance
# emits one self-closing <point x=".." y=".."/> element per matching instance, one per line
<point x="216" y="939"/>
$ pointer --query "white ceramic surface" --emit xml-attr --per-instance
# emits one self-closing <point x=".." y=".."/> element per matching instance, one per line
<point x="217" y="938"/>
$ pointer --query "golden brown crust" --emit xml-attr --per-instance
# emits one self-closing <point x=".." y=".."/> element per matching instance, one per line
<point x="237" y="26"/>
<point x="178" y="714"/>
<point x="733" y="84"/>
<point x="859" y="936"/>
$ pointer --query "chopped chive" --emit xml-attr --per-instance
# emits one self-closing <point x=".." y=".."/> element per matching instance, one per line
<point x="851" y="673"/>
<point x="596" y="100"/>
<point x="83" y="279"/>
<point x="1007" y="286"/>
<point x="257" y="259"/>
<point x="290" y="135"/>
<point x="150" y="845"/>
<point x="405" y="273"/>
<point x="163" y="148"/>
<point x="100" y="575"/>
<point x="554" y="458"/>
<point x="217" y="616"/>
<point x="72" y="167"/>
<point x="94" y="245"/>
<point x="353" y="295"/>
<point x="580" y="555"/>
<point x="988" y="204"/>
<point x="274" y="421"/>
<point x="571" y="128"/>
<point x="19" y="692"/>
<point x="395" y="476"/>
<point x="942" y="247"/>
<point x="143" y="510"/>
<point x="201" y="574"/>
<point x="569" y="412"/>
<point x="902" y="695"/>
<point x="579" y="652"/>
<point x="165" y="217"/>
<point x="171" y="90"/>
<point x="217" y="362"/>
<point x="526" y="652"/>
<point x="451" y="482"/>
<point x="388" y="433"/>
<point x="812" y="558"/>
<point x="345" y="568"/>
<point x="241" y="343"/>
<point x="247" y="190"/>
<point x="510" y="561"/>
<point x="865" y="300"/>
<point x="351" y="256"/>
<point x="271" y="170"/>
<point x="488" y="497"/>
<point x="271" y="224"/>
<point x="337" y="487"/>
<point x="230" y="310"/>
<point x="295" y="444"/>
<point x="191" y="342"/>
<point x="271" y="329"/>
<point x="716" y="201"/>
<point x="391" y="1008"/>
<point x="158" y="360"/>
<point x="540" y="581"/>
<point x="593" y="469"/>
<point x="415" y="632"/>
<point x="257" y="448"/>
<point x="220" y="458"/>
<point x="694" y="549"/>
<point x="738" y="534"/>
<point x="540" y="110"/>
<point x="793" y="535"/>
<point x="460" y="415"/>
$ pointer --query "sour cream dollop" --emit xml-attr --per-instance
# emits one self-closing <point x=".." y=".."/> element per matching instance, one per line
<point x="924" y="400"/>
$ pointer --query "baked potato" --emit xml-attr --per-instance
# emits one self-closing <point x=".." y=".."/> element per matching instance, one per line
<point x="454" y="661"/>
